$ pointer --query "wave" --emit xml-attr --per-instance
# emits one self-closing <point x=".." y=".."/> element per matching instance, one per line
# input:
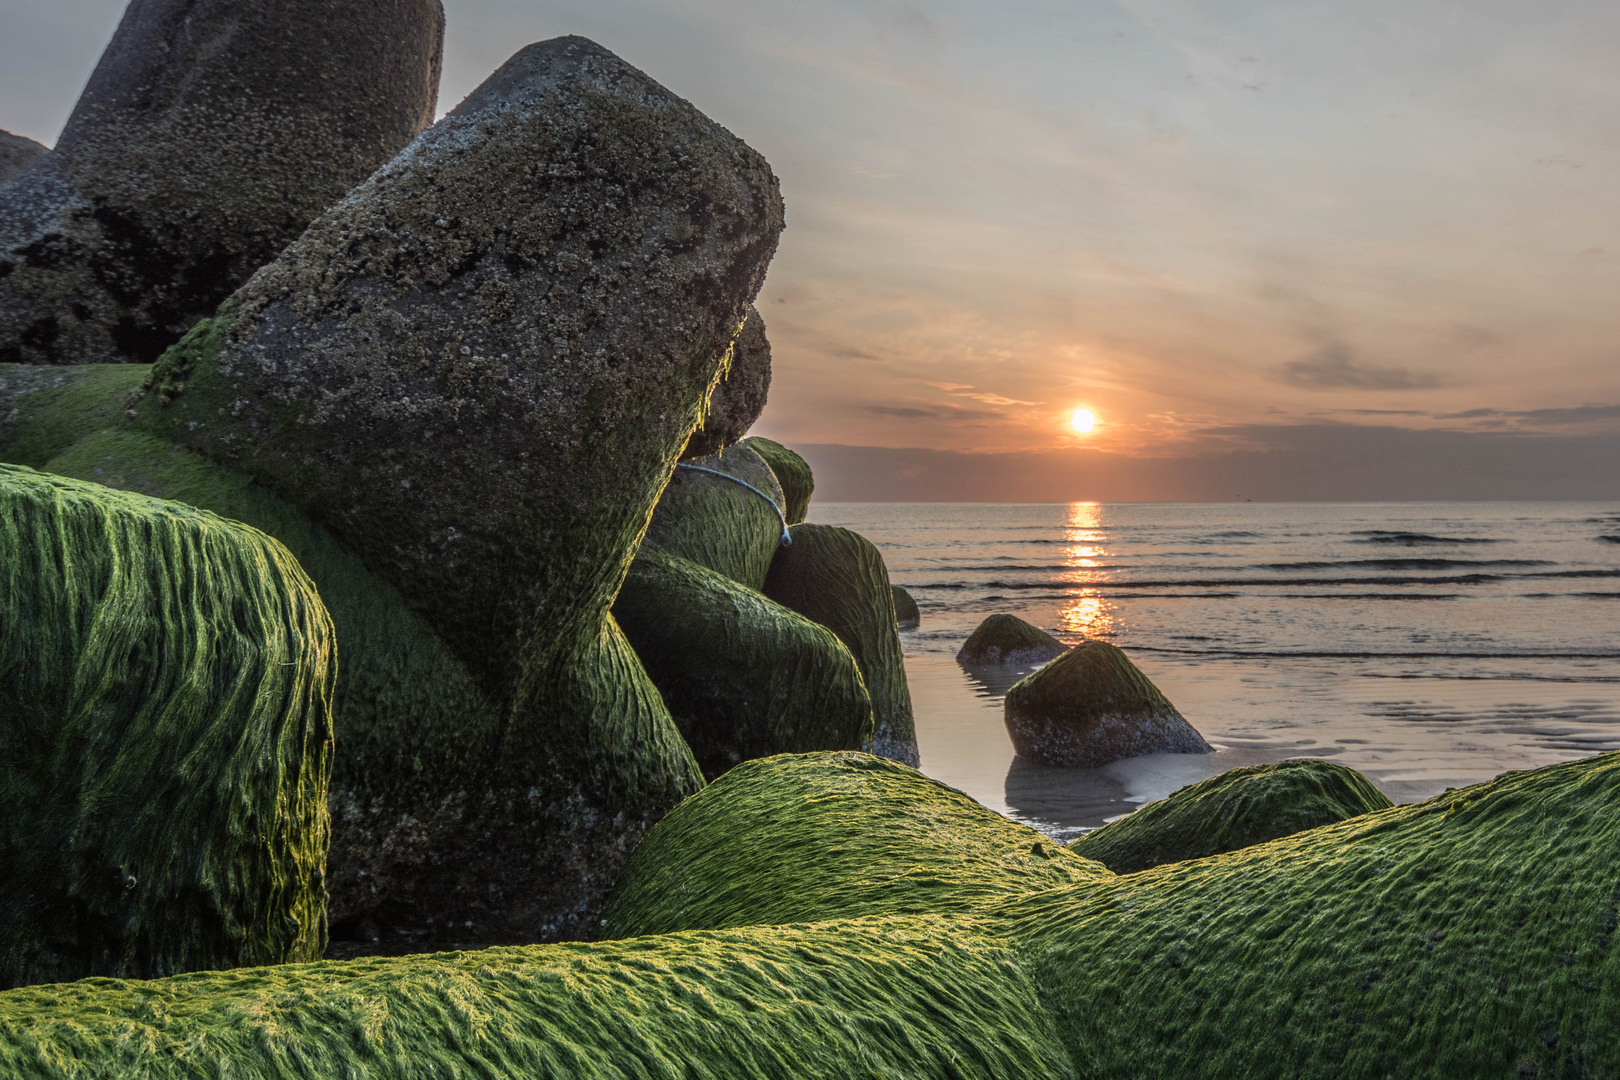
<point x="1402" y="564"/>
<point x="1329" y="654"/>
<point x="1413" y="539"/>
<point x="1221" y="583"/>
<point x="1606" y="538"/>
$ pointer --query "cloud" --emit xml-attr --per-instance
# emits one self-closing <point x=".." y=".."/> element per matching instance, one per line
<point x="942" y="413"/>
<point x="1333" y="368"/>
<point x="1579" y="414"/>
<point x="849" y="352"/>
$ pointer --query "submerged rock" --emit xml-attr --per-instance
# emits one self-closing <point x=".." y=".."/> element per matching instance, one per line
<point x="461" y="429"/>
<point x="1092" y="706"/>
<point x="905" y="608"/>
<point x="837" y="578"/>
<point x="1007" y="639"/>
<point x="165" y="739"/>
<point x="1236" y="809"/>
<point x="16" y="154"/>
<point x="792" y="472"/>
<point x="743" y="676"/>
<point x="739" y="397"/>
<point x="208" y="136"/>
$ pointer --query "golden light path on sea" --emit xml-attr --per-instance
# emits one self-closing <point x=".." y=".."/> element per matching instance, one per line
<point x="1084" y="611"/>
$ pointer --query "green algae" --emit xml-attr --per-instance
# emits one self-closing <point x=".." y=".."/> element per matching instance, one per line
<point x="1007" y="639"/>
<point x="792" y="472"/>
<point x="837" y="578"/>
<point x="718" y="523"/>
<point x="896" y="999"/>
<point x="742" y="676"/>
<point x="1470" y="935"/>
<point x="165" y="739"/>
<point x="1238" y="808"/>
<point x="45" y="410"/>
<point x="806" y="837"/>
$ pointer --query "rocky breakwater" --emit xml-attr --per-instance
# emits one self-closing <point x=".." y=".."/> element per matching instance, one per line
<point x="165" y="739"/>
<point x="743" y="676"/>
<point x="836" y="578"/>
<point x="1010" y="641"/>
<point x="1236" y="809"/>
<point x="1092" y="706"/>
<point x="739" y="397"/>
<point x="474" y="373"/>
<point x="209" y="135"/>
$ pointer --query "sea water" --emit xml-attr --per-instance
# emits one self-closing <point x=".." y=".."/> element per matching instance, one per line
<point x="1427" y="645"/>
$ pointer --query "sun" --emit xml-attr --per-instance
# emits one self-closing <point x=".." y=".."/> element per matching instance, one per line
<point x="1083" y="421"/>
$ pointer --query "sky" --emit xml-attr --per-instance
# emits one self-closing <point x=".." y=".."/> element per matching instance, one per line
<point x="1280" y="250"/>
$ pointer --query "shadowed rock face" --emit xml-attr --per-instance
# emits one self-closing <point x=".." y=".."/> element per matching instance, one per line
<point x="1007" y="639"/>
<point x="905" y="608"/>
<point x="210" y="134"/>
<point x="739" y="397"/>
<point x="1092" y="706"/>
<point x="1234" y="810"/>
<point x="16" y="154"/>
<point x="476" y="373"/>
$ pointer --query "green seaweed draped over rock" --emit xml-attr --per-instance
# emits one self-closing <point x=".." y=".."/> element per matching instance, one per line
<point x="806" y="837"/>
<point x="165" y="738"/>
<point x="719" y="523"/>
<point x="1233" y="810"/>
<point x="742" y="676"/>
<point x="837" y="578"/>
<point x="919" y="998"/>
<point x="792" y="472"/>
<point x="1007" y="639"/>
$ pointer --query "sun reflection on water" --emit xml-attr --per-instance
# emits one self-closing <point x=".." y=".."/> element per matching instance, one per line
<point x="1085" y="611"/>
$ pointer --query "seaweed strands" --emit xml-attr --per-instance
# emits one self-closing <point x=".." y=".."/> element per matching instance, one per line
<point x="165" y="738"/>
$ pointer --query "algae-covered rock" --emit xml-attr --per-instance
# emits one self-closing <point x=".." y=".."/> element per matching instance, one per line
<point x="483" y="407"/>
<point x="16" y="154"/>
<point x="742" y="676"/>
<point x="739" y="397"/>
<point x="924" y="997"/>
<point x="806" y="837"/>
<point x="837" y="578"/>
<point x="1092" y="706"/>
<point x="906" y="614"/>
<point x="792" y="472"/>
<point x="1234" y="810"/>
<point x="164" y="738"/>
<point x="1009" y="640"/>
<point x="723" y="512"/>
<point x="208" y="136"/>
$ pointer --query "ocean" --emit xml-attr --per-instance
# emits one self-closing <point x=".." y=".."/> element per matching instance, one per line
<point x="1427" y="645"/>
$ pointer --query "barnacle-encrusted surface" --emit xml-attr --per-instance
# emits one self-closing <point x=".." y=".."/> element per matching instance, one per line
<point x="739" y="397"/>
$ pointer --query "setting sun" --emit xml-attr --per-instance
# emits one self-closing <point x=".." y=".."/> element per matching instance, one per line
<point x="1083" y="420"/>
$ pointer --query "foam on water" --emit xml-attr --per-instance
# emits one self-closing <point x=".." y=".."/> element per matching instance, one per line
<point x="1278" y="630"/>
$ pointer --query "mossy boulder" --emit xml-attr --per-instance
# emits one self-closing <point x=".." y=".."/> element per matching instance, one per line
<point x="1009" y="640"/>
<point x="16" y="154"/>
<point x="792" y="472"/>
<point x="165" y="738"/>
<point x="724" y="512"/>
<point x="742" y="676"/>
<point x="837" y="578"/>
<point x="806" y="837"/>
<point x="922" y="997"/>
<point x="1092" y="706"/>
<point x="1236" y="809"/>
<point x="905" y="608"/>
<point x="739" y="397"/>
<point x="209" y="135"/>
<point x="461" y="428"/>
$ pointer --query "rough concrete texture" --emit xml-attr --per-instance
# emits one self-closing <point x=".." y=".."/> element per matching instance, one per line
<point x="837" y="578"/>
<point x="1092" y="706"/>
<point x="1009" y="640"/>
<point x="16" y="154"/>
<point x="165" y="738"/>
<point x="476" y="372"/>
<point x="210" y="134"/>
<point x="740" y="396"/>
<point x="1236" y="809"/>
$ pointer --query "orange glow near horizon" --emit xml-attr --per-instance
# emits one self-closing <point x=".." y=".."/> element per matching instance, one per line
<point x="1083" y="421"/>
